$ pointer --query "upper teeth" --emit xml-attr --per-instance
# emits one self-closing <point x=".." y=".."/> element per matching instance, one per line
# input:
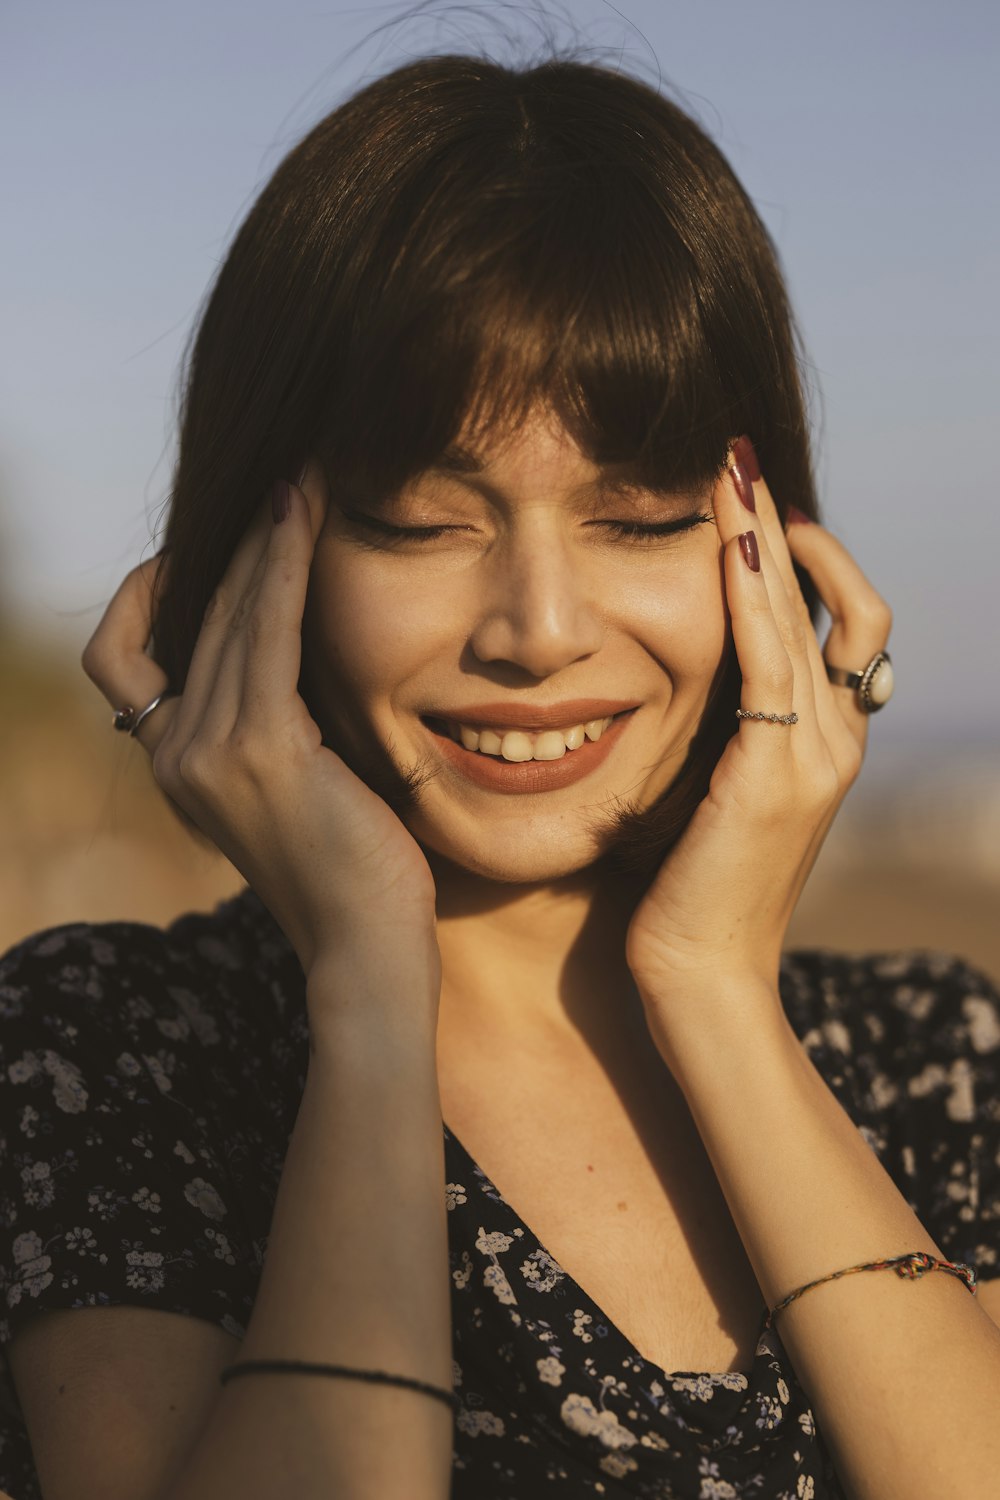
<point x="518" y="744"/>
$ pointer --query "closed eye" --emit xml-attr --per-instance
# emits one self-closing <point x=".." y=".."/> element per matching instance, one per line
<point x="635" y="531"/>
<point x="650" y="530"/>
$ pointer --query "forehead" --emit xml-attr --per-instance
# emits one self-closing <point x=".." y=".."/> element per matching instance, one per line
<point x="539" y="442"/>
<point x="539" y="456"/>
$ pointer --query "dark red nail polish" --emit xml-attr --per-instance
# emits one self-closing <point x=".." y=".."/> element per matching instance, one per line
<point x="748" y="546"/>
<point x="743" y="486"/>
<point x="746" y="456"/>
<point x="281" y="500"/>
<point x="798" y="517"/>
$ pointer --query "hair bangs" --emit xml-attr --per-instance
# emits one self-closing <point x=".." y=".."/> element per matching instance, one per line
<point x="459" y="244"/>
<point x="571" y="292"/>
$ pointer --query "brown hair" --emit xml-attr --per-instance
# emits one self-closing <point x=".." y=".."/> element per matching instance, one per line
<point x="457" y="242"/>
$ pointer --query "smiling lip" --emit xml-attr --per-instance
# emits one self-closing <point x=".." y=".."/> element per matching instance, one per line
<point x="525" y="716"/>
<point x="515" y="777"/>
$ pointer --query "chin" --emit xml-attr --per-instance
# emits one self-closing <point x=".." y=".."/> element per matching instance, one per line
<point x="523" y="857"/>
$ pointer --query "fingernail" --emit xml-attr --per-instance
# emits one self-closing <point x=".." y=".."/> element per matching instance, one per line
<point x="798" y="517"/>
<point x="281" y="500"/>
<point x="743" y="486"/>
<point x="748" y="546"/>
<point x="746" y="455"/>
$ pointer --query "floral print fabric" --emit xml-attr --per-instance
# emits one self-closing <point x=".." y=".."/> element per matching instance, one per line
<point x="149" y="1083"/>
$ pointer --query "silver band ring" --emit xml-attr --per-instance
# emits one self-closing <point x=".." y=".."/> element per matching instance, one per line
<point x="874" y="684"/>
<point x="744" y="713"/>
<point x="128" y="719"/>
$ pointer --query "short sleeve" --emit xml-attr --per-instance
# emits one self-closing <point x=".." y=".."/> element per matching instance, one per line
<point x="909" y="1043"/>
<point x="113" y="1167"/>
<point x="942" y="1069"/>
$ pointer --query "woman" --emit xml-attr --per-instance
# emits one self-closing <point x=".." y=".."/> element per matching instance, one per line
<point x="461" y="705"/>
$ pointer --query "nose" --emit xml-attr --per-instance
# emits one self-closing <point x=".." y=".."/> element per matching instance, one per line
<point x="539" y="605"/>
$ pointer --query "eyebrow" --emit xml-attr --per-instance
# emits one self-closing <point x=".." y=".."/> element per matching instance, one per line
<point x="457" y="460"/>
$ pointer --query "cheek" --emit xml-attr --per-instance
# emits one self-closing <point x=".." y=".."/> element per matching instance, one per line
<point x="382" y="630"/>
<point x="374" y="628"/>
<point x="680" y="616"/>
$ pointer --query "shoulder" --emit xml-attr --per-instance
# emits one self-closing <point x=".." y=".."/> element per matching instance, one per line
<point x="127" y="1001"/>
<point x="907" y="1038"/>
<point x="97" y="962"/>
<point x="147" y="1077"/>
<point x="90" y="960"/>
<point x="910" y="1045"/>
<point x="903" y="1003"/>
<point x="235" y="933"/>
<point x="69" y="993"/>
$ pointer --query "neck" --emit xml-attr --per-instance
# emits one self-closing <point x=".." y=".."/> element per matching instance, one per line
<point x="543" y="960"/>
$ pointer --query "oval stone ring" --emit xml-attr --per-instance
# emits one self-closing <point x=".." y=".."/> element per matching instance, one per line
<point x="874" y="684"/>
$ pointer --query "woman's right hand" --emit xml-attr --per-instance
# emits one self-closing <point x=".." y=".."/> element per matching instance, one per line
<point x="240" y="754"/>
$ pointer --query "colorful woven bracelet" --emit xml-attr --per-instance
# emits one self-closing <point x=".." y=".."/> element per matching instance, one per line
<point x="911" y="1266"/>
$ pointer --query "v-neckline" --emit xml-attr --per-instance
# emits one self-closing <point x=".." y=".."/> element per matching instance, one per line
<point x="718" y="1376"/>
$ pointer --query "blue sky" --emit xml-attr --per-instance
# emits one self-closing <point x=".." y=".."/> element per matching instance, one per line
<point x="134" y="136"/>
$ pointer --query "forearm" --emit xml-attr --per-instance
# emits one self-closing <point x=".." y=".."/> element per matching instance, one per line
<point x="904" y="1377"/>
<point x="356" y="1274"/>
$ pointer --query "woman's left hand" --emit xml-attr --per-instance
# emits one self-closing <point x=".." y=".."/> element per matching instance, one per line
<point x="718" y="909"/>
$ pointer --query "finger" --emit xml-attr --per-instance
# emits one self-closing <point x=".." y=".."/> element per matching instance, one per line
<point x="262" y="647"/>
<point x="273" y="630"/>
<point x="116" y="660"/>
<point x="861" y="620"/>
<point x="768" y="675"/>
<point x="775" y="631"/>
<point x="312" y="485"/>
<point x="755" y="489"/>
<point x="213" y="686"/>
<point x="795" y="634"/>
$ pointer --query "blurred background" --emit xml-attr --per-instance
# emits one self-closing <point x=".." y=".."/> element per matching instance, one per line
<point x="133" y="138"/>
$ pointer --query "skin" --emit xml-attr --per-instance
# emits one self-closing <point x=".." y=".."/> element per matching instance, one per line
<point x="534" y="600"/>
<point x="480" y="920"/>
<point x="533" y="595"/>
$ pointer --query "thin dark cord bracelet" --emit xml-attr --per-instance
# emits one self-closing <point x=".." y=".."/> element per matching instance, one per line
<point x="910" y="1266"/>
<point x="301" y="1367"/>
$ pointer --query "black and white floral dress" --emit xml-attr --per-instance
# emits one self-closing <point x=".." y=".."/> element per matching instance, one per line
<point x="149" y="1083"/>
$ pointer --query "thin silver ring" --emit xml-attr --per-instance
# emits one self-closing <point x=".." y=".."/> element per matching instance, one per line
<point x="127" y="718"/>
<point x="745" y="713"/>
<point x="147" y="710"/>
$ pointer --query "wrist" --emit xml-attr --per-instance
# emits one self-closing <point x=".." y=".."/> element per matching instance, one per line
<point x="374" y="996"/>
<point x="699" y="1015"/>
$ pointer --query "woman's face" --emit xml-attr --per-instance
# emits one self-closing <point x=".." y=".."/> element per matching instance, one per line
<point x="529" y="600"/>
